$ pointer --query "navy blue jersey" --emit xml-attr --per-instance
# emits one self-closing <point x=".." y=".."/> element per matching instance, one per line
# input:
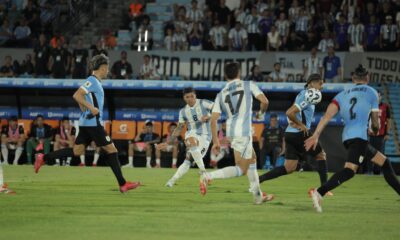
<point x="95" y="96"/>
<point x="355" y="105"/>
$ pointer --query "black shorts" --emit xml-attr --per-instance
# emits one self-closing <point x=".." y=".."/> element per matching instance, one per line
<point x="97" y="134"/>
<point x="294" y="149"/>
<point x="359" y="150"/>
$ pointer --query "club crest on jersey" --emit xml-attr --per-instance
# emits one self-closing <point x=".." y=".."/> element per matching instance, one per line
<point x="88" y="84"/>
<point x="108" y="138"/>
<point x="303" y="104"/>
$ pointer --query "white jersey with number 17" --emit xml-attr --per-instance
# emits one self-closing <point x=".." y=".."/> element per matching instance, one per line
<point x="236" y="100"/>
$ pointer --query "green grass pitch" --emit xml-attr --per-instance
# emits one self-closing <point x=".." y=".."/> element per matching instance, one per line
<point x="83" y="203"/>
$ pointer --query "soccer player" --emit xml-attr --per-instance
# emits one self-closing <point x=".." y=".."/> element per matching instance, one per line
<point x="300" y="116"/>
<point x="354" y="105"/>
<point x="236" y="100"/>
<point x="195" y="115"/>
<point x="90" y="97"/>
<point x="12" y="137"/>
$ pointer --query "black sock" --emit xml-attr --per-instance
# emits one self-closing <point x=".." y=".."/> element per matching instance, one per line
<point x="390" y="176"/>
<point x="337" y="179"/>
<point x="116" y="167"/>
<point x="62" y="153"/>
<point x="274" y="173"/>
<point x="322" y="171"/>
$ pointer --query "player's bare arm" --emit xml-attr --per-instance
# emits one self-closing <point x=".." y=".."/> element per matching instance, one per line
<point x="263" y="102"/>
<point x="375" y="125"/>
<point x="313" y="140"/>
<point x="214" y="130"/>
<point x="294" y="122"/>
<point x="79" y="97"/>
<point x="176" y="133"/>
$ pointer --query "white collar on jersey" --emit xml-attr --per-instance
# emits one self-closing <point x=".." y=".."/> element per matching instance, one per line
<point x="234" y="80"/>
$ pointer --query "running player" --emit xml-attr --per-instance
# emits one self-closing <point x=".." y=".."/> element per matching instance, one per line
<point x="195" y="115"/>
<point x="354" y="105"/>
<point x="90" y="97"/>
<point x="236" y="100"/>
<point x="300" y="116"/>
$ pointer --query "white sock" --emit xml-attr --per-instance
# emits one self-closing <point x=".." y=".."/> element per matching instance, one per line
<point x="130" y="160"/>
<point x="182" y="170"/>
<point x="82" y="159"/>
<point x="1" y="175"/>
<point x="196" y="154"/>
<point x="69" y="161"/>
<point x="96" y="158"/>
<point x="174" y="160"/>
<point x="252" y="175"/>
<point x="4" y="152"/>
<point x="57" y="161"/>
<point x="18" y="154"/>
<point x="227" y="172"/>
<point x="158" y="161"/>
<point x="148" y="162"/>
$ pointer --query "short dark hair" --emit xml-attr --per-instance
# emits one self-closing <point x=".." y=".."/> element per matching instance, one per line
<point x="313" y="77"/>
<point x="65" y="119"/>
<point x="232" y="70"/>
<point x="273" y="115"/>
<point x="98" y="60"/>
<point x="146" y="56"/>
<point x="360" y="71"/>
<point x="39" y="116"/>
<point x="149" y="123"/>
<point x="13" y="118"/>
<point x="188" y="90"/>
<point x="172" y="124"/>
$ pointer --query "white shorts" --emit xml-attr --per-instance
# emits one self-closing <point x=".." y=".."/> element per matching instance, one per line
<point x="204" y="142"/>
<point x="243" y="145"/>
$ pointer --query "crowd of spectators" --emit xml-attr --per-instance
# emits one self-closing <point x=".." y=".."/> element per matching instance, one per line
<point x="279" y="25"/>
<point x="22" y="21"/>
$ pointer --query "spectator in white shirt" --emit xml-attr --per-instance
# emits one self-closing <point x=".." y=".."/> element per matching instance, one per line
<point x="237" y="38"/>
<point x="326" y="42"/>
<point x="277" y="75"/>
<point x="22" y="33"/>
<point x="181" y="39"/>
<point x="356" y="35"/>
<point x="253" y="31"/>
<point x="218" y="36"/>
<point x="283" y="27"/>
<point x="390" y="39"/>
<point x="148" y="71"/>
<point x="313" y="64"/>
<point x="194" y="14"/>
<point x="274" y="40"/>
<point x="241" y="12"/>
<point x="294" y="11"/>
<point x="170" y="40"/>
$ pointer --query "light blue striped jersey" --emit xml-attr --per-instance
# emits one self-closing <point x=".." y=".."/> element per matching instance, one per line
<point x="236" y="100"/>
<point x="192" y="117"/>
<point x="306" y="113"/>
<point x="355" y="105"/>
<point x="95" y="96"/>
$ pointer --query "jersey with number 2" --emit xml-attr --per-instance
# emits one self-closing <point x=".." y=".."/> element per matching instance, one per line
<point x="236" y="100"/>
<point x="355" y="105"/>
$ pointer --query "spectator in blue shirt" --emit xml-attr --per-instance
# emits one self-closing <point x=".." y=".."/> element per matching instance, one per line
<point x="332" y="67"/>
<point x="340" y="30"/>
<point x="372" y="30"/>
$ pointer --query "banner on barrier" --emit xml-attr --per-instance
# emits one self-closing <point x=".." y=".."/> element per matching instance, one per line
<point x="382" y="68"/>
